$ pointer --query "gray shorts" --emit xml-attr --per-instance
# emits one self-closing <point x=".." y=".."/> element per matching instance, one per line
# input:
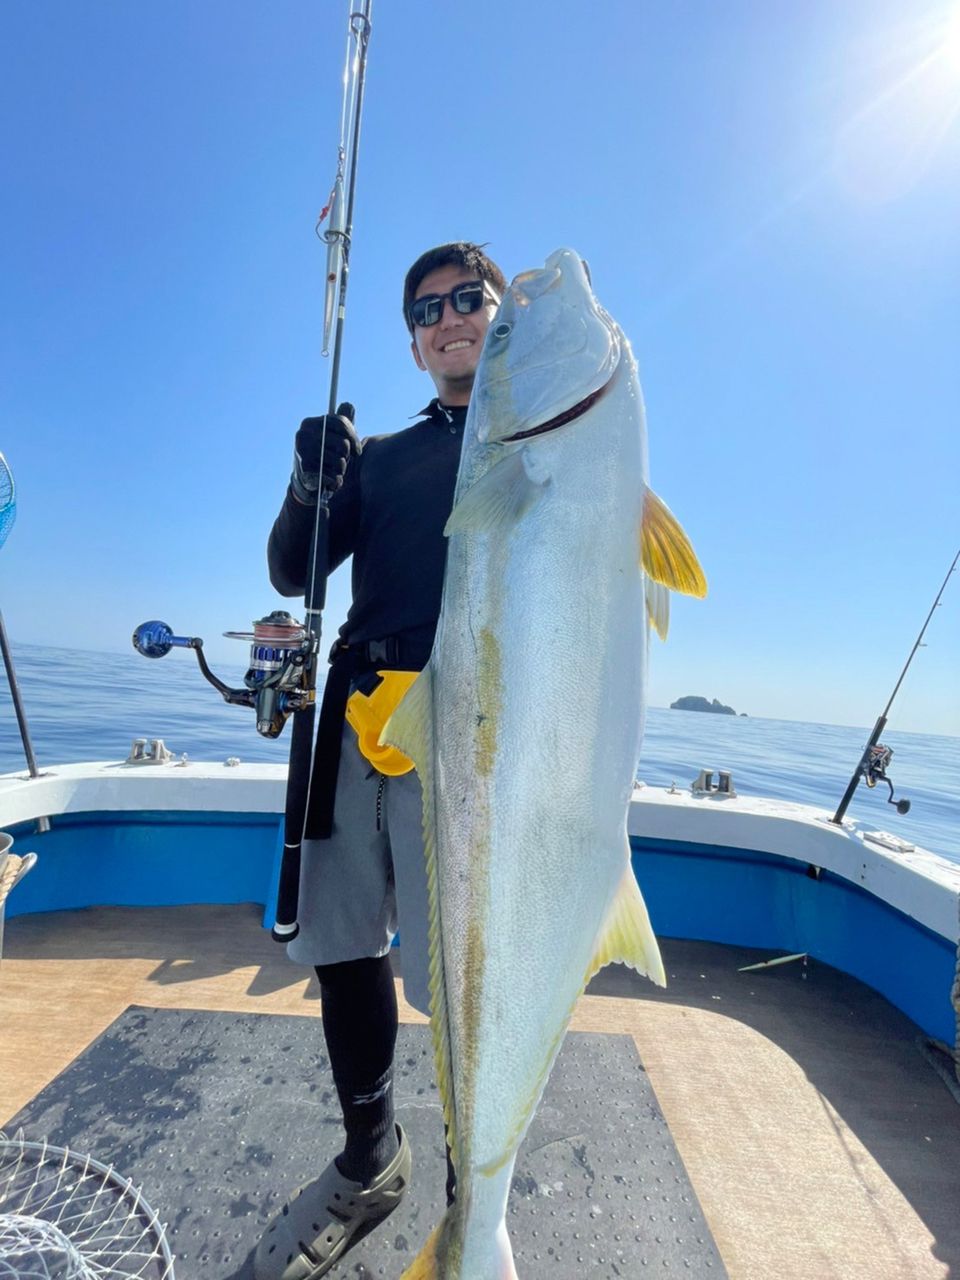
<point x="369" y="878"/>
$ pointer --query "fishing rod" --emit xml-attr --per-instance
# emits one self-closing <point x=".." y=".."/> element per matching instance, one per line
<point x="338" y="238"/>
<point x="282" y="678"/>
<point x="876" y="757"/>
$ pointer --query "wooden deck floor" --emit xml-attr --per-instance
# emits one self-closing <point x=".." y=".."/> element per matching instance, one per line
<point x="820" y="1143"/>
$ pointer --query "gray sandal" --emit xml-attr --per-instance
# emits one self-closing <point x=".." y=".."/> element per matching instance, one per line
<point x="325" y="1217"/>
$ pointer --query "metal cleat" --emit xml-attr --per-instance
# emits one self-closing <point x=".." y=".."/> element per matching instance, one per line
<point x="153" y="753"/>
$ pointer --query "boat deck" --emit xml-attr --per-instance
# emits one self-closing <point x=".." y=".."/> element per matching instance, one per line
<point x="819" y="1140"/>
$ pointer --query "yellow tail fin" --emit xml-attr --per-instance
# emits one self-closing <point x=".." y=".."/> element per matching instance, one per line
<point x="424" y="1265"/>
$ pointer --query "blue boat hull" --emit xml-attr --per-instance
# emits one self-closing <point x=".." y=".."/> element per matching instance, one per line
<point x="696" y="891"/>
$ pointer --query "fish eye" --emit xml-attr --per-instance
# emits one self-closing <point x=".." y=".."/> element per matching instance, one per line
<point x="502" y="330"/>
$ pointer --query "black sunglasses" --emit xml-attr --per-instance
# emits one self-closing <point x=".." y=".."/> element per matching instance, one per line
<point x="465" y="299"/>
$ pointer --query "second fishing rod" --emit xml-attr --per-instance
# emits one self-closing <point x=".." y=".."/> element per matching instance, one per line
<point x="876" y="757"/>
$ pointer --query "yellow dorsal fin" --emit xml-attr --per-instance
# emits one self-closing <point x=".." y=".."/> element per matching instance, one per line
<point x="665" y="550"/>
<point x="627" y="936"/>
<point x="410" y="729"/>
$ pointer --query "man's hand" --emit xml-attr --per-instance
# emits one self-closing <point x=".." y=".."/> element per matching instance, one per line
<point x="339" y="446"/>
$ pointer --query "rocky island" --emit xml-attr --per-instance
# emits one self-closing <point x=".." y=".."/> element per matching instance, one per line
<point x="694" y="703"/>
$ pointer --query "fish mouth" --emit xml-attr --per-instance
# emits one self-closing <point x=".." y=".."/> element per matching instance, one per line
<point x="561" y="419"/>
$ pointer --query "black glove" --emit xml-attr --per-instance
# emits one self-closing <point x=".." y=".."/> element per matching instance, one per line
<point x="340" y="445"/>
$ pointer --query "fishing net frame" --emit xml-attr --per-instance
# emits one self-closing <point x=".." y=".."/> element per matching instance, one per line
<point x="8" y="500"/>
<point x="66" y="1216"/>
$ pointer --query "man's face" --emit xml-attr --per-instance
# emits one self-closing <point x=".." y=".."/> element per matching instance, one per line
<point x="450" y="349"/>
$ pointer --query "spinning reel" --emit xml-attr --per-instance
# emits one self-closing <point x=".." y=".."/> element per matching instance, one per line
<point x="276" y="684"/>
<point x="874" y="770"/>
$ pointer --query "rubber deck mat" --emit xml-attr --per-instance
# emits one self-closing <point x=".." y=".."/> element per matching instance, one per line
<point x="219" y="1116"/>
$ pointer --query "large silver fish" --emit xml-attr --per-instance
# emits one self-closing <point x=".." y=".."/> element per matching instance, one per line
<point x="525" y="727"/>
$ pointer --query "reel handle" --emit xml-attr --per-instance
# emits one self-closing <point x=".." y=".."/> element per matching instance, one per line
<point x="155" y="639"/>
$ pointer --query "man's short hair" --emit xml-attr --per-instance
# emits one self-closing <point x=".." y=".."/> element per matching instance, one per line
<point x="459" y="253"/>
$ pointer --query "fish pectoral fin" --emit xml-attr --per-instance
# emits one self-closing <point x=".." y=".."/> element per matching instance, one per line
<point x="666" y="553"/>
<point x="627" y="936"/>
<point x="658" y="606"/>
<point x="503" y="496"/>
<point x="410" y="727"/>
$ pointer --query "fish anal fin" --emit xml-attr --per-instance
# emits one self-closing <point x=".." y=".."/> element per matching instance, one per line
<point x="627" y="936"/>
<point x="666" y="553"/>
<point x="503" y="495"/>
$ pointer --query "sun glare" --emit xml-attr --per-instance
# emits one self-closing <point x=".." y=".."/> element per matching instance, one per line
<point x="896" y="137"/>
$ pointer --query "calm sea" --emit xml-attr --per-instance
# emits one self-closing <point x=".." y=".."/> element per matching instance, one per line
<point x="90" y="706"/>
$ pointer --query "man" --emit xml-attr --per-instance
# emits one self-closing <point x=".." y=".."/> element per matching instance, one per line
<point x="391" y="498"/>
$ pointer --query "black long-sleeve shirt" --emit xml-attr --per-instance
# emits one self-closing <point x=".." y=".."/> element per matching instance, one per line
<point x="389" y="514"/>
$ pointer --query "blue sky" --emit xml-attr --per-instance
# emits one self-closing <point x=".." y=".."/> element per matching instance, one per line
<point x="768" y="195"/>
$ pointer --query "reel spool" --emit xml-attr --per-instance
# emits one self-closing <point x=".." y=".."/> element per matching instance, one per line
<point x="277" y="665"/>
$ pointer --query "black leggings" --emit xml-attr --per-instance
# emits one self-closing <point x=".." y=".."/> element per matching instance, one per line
<point x="359" y="1021"/>
<point x="360" y="1026"/>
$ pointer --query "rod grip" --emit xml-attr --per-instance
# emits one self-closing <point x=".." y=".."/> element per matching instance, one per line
<point x="285" y="927"/>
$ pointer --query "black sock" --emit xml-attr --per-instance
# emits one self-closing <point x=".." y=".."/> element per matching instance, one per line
<point x="360" y="1025"/>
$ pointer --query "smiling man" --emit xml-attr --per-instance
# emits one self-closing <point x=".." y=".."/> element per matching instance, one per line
<point x="362" y="871"/>
<point x="448" y="318"/>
